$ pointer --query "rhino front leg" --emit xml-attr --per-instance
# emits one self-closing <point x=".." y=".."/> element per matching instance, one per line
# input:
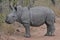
<point x="27" y="30"/>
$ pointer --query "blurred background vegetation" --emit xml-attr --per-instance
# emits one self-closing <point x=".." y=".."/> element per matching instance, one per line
<point x="5" y="9"/>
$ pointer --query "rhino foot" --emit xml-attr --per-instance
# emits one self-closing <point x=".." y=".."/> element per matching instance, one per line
<point x="27" y="36"/>
<point x="49" y="34"/>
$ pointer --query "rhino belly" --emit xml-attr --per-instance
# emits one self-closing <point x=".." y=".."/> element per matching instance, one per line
<point x="37" y="19"/>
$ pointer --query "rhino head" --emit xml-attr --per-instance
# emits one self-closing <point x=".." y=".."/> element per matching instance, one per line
<point x="13" y="16"/>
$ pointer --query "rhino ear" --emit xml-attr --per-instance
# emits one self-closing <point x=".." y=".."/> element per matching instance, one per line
<point x="10" y="7"/>
<point x="13" y="8"/>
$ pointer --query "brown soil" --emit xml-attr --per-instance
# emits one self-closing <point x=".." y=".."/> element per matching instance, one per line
<point x="37" y="33"/>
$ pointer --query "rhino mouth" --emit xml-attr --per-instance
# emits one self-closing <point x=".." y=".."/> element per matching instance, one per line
<point x="8" y="22"/>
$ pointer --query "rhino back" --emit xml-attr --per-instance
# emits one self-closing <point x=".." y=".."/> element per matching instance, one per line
<point x="36" y="15"/>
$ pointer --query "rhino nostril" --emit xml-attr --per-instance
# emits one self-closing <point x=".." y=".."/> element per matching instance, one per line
<point x="5" y="20"/>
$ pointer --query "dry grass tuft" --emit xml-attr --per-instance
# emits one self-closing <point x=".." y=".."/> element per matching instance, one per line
<point x="7" y="28"/>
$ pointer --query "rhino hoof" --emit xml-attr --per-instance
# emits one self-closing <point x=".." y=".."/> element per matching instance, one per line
<point x="27" y="36"/>
<point x="49" y="35"/>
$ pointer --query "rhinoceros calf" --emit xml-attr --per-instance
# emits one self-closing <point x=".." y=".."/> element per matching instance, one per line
<point x="35" y="16"/>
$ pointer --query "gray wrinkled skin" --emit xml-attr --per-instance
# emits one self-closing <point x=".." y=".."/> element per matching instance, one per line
<point x="36" y="16"/>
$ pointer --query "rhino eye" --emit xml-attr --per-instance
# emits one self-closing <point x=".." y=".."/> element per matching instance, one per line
<point x="13" y="16"/>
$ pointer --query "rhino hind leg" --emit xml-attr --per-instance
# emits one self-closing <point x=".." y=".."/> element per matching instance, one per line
<point x="50" y="28"/>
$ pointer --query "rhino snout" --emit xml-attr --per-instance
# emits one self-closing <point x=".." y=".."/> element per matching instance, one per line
<point x="7" y="21"/>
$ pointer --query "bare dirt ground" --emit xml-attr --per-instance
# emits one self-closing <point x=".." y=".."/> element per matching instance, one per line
<point x="37" y="33"/>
